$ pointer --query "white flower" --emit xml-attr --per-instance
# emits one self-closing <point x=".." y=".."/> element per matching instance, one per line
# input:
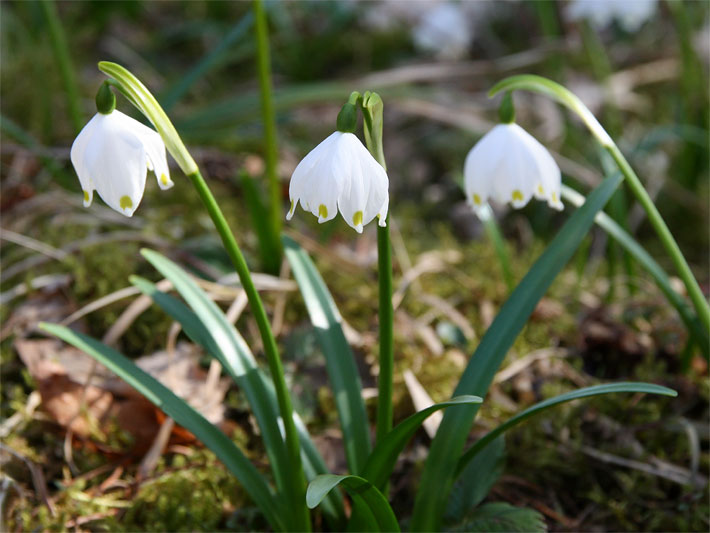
<point x="444" y="29"/>
<point x="631" y="14"/>
<point x="509" y="165"/>
<point x="112" y="155"/>
<point x="341" y="174"/>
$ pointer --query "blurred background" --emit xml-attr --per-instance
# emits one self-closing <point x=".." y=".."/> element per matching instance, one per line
<point x="611" y="464"/>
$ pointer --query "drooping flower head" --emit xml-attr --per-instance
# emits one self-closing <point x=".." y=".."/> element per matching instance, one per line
<point x="341" y="175"/>
<point x="508" y="165"/>
<point x="112" y="155"/>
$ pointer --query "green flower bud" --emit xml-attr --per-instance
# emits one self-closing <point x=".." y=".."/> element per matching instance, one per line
<point x="347" y="118"/>
<point x="105" y="99"/>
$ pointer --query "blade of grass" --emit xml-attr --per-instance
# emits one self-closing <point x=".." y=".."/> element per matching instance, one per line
<point x="210" y="61"/>
<point x="364" y="495"/>
<point x="340" y="362"/>
<point x="63" y="58"/>
<point x="438" y="475"/>
<point x="596" y="390"/>
<point x="176" y="408"/>
<point x="382" y="459"/>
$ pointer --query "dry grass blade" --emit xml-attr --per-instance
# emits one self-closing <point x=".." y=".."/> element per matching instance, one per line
<point x="662" y="469"/>
<point x="422" y="400"/>
<point x="32" y="244"/>
<point x="102" y="238"/>
<point x="533" y="357"/>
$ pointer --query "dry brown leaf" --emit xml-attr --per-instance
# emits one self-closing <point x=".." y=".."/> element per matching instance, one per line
<point x="61" y="373"/>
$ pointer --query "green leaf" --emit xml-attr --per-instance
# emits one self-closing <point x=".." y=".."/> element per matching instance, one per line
<point x="225" y="343"/>
<point x="476" y="480"/>
<point x="438" y="475"/>
<point x="596" y="390"/>
<point x="364" y="494"/>
<point x="659" y="275"/>
<point x="340" y="363"/>
<point x="313" y="463"/>
<point x="183" y="414"/>
<point x="382" y="459"/>
<point x="503" y="517"/>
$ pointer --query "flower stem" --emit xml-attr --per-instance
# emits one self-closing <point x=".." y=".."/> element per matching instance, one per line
<point x="271" y="252"/>
<point x="297" y="496"/>
<point x="565" y="97"/>
<point x="63" y="57"/>
<point x="383" y="422"/>
<point x="372" y="109"/>
<point x="671" y="246"/>
<point x="496" y="237"/>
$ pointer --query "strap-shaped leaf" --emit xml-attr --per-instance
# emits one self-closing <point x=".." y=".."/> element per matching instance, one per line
<point x="225" y="343"/>
<point x="375" y="514"/>
<point x="476" y="480"/>
<point x="438" y="475"/>
<point x="183" y="414"/>
<point x="596" y="390"/>
<point x="382" y="459"/>
<point x="340" y="363"/>
<point x="313" y="463"/>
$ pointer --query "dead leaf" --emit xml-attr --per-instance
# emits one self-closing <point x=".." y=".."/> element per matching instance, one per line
<point x="61" y="373"/>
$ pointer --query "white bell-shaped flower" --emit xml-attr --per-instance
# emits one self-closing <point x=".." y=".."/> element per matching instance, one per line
<point x="340" y="174"/>
<point x="510" y="165"/>
<point x="112" y="155"/>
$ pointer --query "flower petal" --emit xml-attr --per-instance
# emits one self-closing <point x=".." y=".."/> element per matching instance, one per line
<point x="156" y="157"/>
<point x="116" y="160"/>
<point x="483" y="166"/>
<point x="78" y="157"/>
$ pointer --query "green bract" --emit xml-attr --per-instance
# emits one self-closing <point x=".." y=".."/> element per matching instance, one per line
<point x="146" y="103"/>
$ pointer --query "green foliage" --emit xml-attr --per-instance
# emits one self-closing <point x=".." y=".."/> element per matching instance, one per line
<point x="371" y="512"/>
<point x="476" y="480"/>
<point x="502" y="517"/>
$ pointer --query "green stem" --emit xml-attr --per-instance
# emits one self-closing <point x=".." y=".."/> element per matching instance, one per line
<point x="671" y="246"/>
<point x="298" y="480"/>
<point x="383" y="422"/>
<point x="269" y="124"/>
<point x="565" y="97"/>
<point x="372" y="111"/>
<point x="63" y="58"/>
<point x="496" y="238"/>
